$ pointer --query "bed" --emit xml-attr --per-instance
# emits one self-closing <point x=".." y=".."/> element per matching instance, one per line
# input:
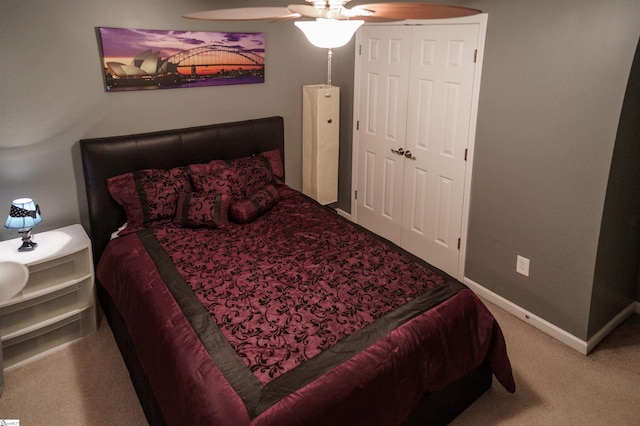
<point x="236" y="300"/>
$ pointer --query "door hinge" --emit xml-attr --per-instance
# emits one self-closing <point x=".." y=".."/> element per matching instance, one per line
<point x="357" y="124"/>
<point x="359" y="50"/>
<point x="356" y="194"/>
<point x="458" y="243"/>
<point x="475" y="56"/>
<point x="466" y="151"/>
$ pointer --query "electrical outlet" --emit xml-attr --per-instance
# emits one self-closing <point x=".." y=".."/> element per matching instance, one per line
<point x="522" y="265"/>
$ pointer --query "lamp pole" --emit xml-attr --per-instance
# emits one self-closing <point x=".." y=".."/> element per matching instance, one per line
<point x="329" y="55"/>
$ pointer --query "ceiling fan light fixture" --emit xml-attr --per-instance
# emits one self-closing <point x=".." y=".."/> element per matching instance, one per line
<point x="329" y="33"/>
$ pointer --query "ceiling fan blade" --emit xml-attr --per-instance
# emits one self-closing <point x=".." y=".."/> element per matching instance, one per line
<point x="244" y="14"/>
<point x="406" y="10"/>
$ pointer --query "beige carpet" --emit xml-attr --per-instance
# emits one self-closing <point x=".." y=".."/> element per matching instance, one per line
<point x="83" y="384"/>
<point x="87" y="383"/>
<point x="558" y="386"/>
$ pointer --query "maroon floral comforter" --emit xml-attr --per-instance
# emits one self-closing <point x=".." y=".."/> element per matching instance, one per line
<point x="296" y="318"/>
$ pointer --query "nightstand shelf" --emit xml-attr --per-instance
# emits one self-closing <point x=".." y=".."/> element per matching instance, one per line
<point x="57" y="305"/>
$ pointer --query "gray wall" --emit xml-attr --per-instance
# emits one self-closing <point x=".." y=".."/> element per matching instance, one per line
<point x="554" y="79"/>
<point x="52" y="95"/>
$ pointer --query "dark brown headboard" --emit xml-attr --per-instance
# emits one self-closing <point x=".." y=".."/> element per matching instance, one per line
<point x="112" y="156"/>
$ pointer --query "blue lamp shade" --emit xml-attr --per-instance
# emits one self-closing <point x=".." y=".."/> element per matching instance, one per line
<point x="24" y="214"/>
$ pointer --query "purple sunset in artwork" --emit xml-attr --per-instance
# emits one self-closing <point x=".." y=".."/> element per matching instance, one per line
<point x="135" y="59"/>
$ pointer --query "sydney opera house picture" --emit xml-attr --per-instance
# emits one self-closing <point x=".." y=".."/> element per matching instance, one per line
<point x="135" y="59"/>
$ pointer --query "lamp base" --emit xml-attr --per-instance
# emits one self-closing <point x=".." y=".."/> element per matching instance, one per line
<point x="27" y="243"/>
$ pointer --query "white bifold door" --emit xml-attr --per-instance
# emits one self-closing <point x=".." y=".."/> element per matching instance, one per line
<point x="415" y="124"/>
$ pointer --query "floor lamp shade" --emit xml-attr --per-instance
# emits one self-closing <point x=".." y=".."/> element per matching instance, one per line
<point x="320" y="142"/>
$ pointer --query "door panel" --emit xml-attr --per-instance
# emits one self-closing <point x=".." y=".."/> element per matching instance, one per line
<point x="438" y="119"/>
<point x="383" y="107"/>
<point x="420" y="201"/>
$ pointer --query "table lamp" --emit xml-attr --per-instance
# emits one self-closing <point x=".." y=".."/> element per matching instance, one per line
<point x="24" y="214"/>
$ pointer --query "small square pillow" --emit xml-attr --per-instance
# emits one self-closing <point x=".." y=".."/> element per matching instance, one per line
<point x="201" y="209"/>
<point x="248" y="209"/>
<point x="149" y="195"/>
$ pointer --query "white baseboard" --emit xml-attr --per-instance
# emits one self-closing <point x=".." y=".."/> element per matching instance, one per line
<point x="344" y="214"/>
<point x="548" y="328"/>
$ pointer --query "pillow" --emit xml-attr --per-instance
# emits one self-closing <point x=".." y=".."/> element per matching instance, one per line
<point x="257" y="172"/>
<point x="225" y="180"/>
<point x="275" y="162"/>
<point x="239" y="177"/>
<point x="148" y="195"/>
<point x="201" y="209"/>
<point x="206" y="169"/>
<point x="248" y="209"/>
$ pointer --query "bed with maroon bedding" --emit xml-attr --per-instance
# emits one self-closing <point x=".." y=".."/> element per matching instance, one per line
<point x="237" y="300"/>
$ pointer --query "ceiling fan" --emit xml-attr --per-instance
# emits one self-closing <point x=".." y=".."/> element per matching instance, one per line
<point x="335" y="9"/>
<point x="334" y="24"/>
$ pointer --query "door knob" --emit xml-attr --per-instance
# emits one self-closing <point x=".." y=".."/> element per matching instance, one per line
<point x="407" y="154"/>
<point x="399" y="151"/>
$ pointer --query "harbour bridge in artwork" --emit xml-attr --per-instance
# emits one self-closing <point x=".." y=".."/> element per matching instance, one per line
<point x="215" y="61"/>
<point x="216" y="55"/>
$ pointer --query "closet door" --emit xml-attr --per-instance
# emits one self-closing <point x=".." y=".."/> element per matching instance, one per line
<point x="438" y="122"/>
<point x="416" y="101"/>
<point x="383" y="84"/>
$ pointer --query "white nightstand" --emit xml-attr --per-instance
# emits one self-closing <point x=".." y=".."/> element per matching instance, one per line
<point x="57" y="305"/>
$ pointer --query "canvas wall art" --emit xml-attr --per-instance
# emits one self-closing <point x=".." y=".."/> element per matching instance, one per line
<point x="134" y="59"/>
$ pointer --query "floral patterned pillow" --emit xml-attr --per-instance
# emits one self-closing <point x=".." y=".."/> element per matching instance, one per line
<point x="201" y="209"/>
<point x="275" y="162"/>
<point x="256" y="171"/>
<point x="239" y="177"/>
<point x="149" y="195"/>
<point x="224" y="180"/>
<point x="250" y="208"/>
